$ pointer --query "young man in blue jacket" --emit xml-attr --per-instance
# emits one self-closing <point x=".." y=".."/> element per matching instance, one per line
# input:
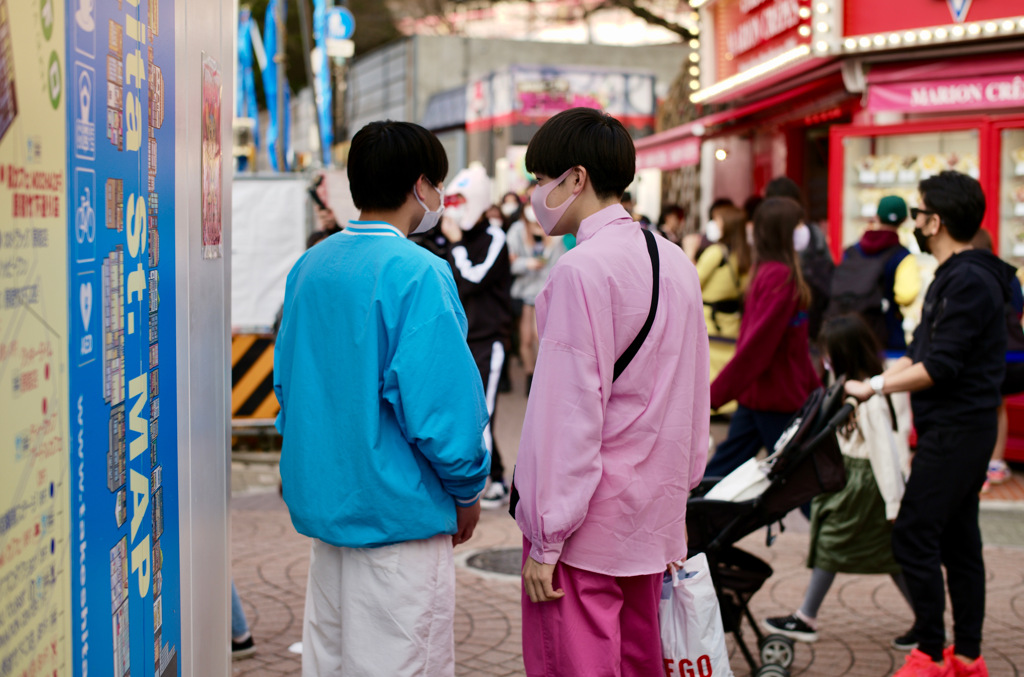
<point x="382" y="416"/>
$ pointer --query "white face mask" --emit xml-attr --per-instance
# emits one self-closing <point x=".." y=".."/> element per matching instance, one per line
<point x="509" y="208"/>
<point x="496" y="222"/>
<point x="801" y="237"/>
<point x="713" y="231"/>
<point x="430" y="218"/>
<point x="528" y="213"/>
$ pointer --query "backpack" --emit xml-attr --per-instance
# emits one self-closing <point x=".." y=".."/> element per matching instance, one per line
<point x="858" y="286"/>
<point x="726" y="306"/>
<point x="817" y="267"/>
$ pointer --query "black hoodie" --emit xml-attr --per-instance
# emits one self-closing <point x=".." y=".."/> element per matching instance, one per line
<point x="483" y="275"/>
<point x="961" y="341"/>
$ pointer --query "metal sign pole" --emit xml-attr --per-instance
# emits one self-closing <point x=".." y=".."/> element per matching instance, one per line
<point x="307" y="62"/>
<point x="279" y="58"/>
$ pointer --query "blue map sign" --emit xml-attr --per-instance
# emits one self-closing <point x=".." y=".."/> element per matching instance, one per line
<point x="340" y="23"/>
<point x="125" y="582"/>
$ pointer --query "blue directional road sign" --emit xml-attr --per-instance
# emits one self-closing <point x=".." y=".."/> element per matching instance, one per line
<point x="340" y="23"/>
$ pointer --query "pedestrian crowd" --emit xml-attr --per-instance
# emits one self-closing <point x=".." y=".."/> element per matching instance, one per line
<point x="395" y="338"/>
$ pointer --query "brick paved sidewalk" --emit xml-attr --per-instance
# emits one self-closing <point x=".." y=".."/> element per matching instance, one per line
<point x="859" y="618"/>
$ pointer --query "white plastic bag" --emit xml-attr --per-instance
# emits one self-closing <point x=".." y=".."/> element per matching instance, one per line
<point x="692" y="635"/>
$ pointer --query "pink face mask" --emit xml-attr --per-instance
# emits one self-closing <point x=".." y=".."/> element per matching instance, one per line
<point x="548" y="217"/>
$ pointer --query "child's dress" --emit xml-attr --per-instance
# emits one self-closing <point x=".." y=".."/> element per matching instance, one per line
<point x="851" y="529"/>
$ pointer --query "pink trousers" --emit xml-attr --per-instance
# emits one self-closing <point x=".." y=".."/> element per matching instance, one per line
<point x="605" y="626"/>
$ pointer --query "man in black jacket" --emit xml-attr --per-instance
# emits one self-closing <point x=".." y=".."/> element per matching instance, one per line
<point x="954" y="369"/>
<point x="478" y="255"/>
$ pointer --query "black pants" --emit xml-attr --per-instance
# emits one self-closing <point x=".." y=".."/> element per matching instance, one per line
<point x="749" y="430"/>
<point x="937" y="527"/>
<point x="490" y="356"/>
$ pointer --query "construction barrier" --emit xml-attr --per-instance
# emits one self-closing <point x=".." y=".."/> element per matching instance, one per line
<point x="252" y="380"/>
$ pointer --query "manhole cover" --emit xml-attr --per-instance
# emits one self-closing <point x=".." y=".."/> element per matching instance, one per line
<point x="507" y="561"/>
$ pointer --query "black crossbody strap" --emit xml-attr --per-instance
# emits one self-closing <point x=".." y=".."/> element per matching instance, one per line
<point x="634" y="347"/>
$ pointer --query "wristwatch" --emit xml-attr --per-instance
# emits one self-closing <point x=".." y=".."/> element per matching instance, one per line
<point x="877" y="383"/>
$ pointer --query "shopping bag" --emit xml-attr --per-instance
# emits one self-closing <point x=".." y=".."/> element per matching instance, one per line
<point x="692" y="635"/>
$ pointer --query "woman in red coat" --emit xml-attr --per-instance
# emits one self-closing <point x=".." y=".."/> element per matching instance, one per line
<point x="771" y="374"/>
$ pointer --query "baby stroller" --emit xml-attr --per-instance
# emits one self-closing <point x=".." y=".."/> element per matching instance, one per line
<point x="806" y="462"/>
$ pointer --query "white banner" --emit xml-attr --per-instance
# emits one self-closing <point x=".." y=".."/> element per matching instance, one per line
<point x="268" y="235"/>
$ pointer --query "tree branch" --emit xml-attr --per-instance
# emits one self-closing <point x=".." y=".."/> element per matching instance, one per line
<point x="654" y="19"/>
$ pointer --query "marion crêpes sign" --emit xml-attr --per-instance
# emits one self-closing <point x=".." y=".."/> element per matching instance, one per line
<point x="865" y="17"/>
<point x="960" y="94"/>
<point x="750" y="32"/>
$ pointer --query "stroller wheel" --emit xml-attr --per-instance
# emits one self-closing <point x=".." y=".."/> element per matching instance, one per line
<point x="777" y="650"/>
<point x="771" y="670"/>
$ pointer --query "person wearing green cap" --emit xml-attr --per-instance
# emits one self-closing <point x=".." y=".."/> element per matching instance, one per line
<point x="878" y="276"/>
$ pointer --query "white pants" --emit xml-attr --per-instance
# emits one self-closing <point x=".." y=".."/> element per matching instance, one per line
<point x="380" y="611"/>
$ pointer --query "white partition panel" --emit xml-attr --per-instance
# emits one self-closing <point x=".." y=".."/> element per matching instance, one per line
<point x="203" y="336"/>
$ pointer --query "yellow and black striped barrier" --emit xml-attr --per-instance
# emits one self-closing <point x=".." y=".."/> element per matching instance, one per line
<point x="252" y="380"/>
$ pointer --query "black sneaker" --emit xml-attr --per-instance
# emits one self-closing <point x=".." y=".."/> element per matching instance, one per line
<point x="905" y="642"/>
<point x="792" y="627"/>
<point x="242" y="649"/>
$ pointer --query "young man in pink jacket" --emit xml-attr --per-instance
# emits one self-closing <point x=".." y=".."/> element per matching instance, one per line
<point x="604" y="470"/>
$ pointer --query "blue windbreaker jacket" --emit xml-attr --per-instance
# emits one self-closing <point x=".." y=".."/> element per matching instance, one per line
<point x="382" y="406"/>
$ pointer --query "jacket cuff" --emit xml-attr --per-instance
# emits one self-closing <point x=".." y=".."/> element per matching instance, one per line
<point x="468" y="502"/>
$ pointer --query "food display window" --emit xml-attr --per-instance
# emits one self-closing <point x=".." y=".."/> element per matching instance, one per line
<point x="1011" y="193"/>
<point x="880" y="161"/>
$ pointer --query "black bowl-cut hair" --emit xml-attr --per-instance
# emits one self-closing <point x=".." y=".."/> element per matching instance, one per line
<point x="589" y="138"/>
<point x="386" y="158"/>
<point x="958" y="200"/>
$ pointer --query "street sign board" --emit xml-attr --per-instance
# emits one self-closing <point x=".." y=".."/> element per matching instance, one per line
<point x="340" y="23"/>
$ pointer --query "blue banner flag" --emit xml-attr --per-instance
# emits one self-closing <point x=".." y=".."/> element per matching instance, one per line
<point x="322" y="85"/>
<point x="270" y="85"/>
<point x="245" y="95"/>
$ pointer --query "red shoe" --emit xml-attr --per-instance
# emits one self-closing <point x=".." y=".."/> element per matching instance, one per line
<point x="920" y="664"/>
<point x="975" y="668"/>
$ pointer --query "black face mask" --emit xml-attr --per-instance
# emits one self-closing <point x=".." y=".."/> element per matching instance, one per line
<point x="922" y="240"/>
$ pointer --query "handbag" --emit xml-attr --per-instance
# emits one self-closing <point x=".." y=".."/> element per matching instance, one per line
<point x="692" y="633"/>
<point x="630" y="352"/>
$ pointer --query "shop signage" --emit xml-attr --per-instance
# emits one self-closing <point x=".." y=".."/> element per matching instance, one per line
<point x="681" y="153"/>
<point x="869" y="17"/>
<point x="531" y="95"/>
<point x="976" y="93"/>
<point x="125" y="596"/>
<point x="750" y="32"/>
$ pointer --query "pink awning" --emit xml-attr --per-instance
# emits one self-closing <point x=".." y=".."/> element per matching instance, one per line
<point x="948" y="85"/>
